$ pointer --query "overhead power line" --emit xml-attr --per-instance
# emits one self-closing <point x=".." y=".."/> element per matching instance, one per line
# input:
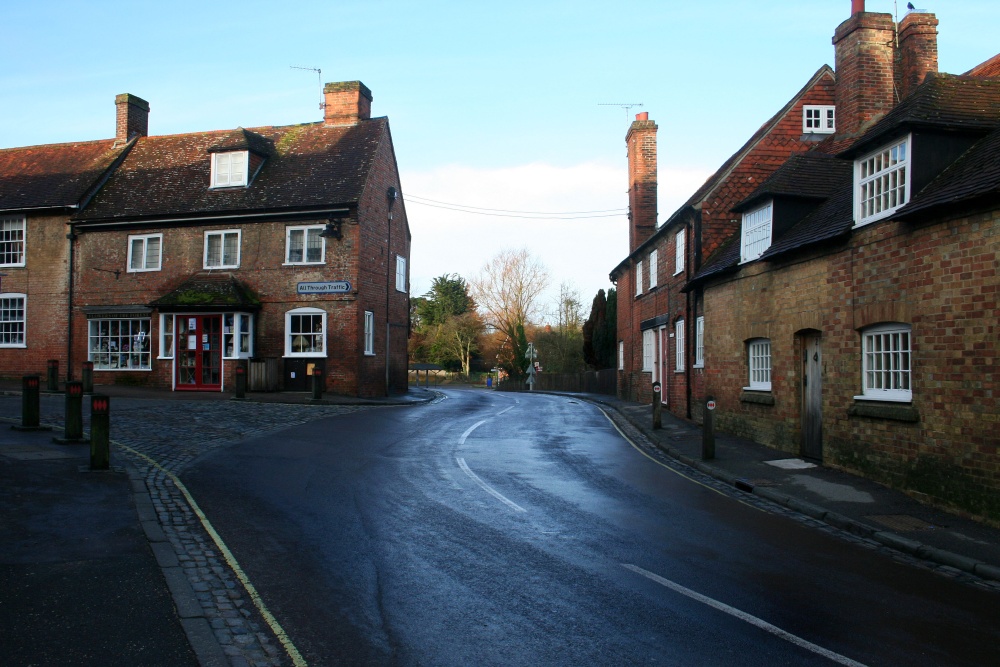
<point x="506" y="213"/>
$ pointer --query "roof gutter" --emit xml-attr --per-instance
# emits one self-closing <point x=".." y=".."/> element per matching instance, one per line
<point x="86" y="224"/>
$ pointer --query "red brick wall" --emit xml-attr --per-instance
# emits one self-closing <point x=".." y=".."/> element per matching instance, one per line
<point x="865" y="57"/>
<point x="641" y="142"/>
<point x="43" y="279"/>
<point x="939" y="278"/>
<point x="918" y="52"/>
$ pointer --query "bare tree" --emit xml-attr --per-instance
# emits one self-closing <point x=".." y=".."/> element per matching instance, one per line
<point x="458" y="337"/>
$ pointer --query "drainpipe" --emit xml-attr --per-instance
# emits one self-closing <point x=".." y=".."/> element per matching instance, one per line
<point x="69" y="305"/>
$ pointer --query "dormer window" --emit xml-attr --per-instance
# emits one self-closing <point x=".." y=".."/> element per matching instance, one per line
<point x="229" y="169"/>
<point x="756" y="232"/>
<point x="818" y="119"/>
<point x="881" y="182"/>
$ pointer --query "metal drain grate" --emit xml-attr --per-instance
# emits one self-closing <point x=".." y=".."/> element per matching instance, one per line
<point x="900" y="522"/>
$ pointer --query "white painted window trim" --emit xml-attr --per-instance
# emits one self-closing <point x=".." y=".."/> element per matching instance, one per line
<point x="222" y="249"/>
<point x="826" y="117"/>
<point x="400" y="273"/>
<point x="24" y="321"/>
<point x="621" y="355"/>
<point x="144" y="239"/>
<point x="116" y="357"/>
<point x="680" y="361"/>
<point x="638" y="278"/>
<point x="13" y="221"/>
<point x="699" y="345"/>
<point x="894" y="366"/>
<point x="679" y="251"/>
<point x="167" y="349"/>
<point x="369" y="333"/>
<point x="878" y="189"/>
<point x="305" y="229"/>
<point x="648" y="345"/>
<point x="755" y="232"/>
<point x="236" y="335"/>
<point x="759" y="364"/>
<point x="222" y="172"/>
<point x="289" y="352"/>
<point x="653" y="266"/>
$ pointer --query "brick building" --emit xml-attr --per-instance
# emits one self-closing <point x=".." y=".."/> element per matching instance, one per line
<point x="193" y="252"/>
<point x="853" y="318"/>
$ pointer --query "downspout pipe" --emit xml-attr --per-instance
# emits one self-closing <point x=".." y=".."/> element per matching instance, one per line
<point x="69" y="305"/>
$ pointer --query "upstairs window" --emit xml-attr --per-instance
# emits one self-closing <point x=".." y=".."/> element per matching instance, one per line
<point x="304" y="245"/>
<point x="12" y="240"/>
<point x="638" y="278"/>
<point x="400" y="274"/>
<point x="222" y="249"/>
<point x="680" y="351"/>
<point x="756" y="233"/>
<point x="679" y="252"/>
<point x="885" y="365"/>
<point x="652" y="269"/>
<point x="699" y="342"/>
<point x="759" y="355"/>
<point x="881" y="182"/>
<point x="819" y="119"/>
<point x="144" y="252"/>
<point x="229" y="169"/>
<point x="369" y="333"/>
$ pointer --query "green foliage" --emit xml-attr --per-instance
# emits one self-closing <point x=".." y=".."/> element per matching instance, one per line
<point x="449" y="296"/>
<point x="600" y="331"/>
<point x="445" y="327"/>
<point x="560" y="348"/>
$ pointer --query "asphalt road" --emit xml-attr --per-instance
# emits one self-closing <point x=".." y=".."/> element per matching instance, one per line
<point x="493" y="529"/>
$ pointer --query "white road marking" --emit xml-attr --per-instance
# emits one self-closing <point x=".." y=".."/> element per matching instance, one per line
<point x="486" y="487"/>
<point x="506" y="410"/>
<point x="468" y="431"/>
<point x="743" y="616"/>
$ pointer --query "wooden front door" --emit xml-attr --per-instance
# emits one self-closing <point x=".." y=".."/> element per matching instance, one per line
<point x="812" y="397"/>
<point x="199" y="352"/>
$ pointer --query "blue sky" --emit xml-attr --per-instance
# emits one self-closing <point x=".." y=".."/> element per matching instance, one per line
<point x="497" y="106"/>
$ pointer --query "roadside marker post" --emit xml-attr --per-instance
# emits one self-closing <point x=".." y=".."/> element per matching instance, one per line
<point x="708" y="430"/>
<point x="73" y="432"/>
<point x="657" y="407"/>
<point x="100" y="432"/>
<point x="53" y="375"/>
<point x="88" y="377"/>
<point x="241" y="381"/>
<point x="317" y="383"/>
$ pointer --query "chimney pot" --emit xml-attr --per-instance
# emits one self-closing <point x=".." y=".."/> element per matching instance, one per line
<point x="857" y="6"/>
<point x="644" y="115"/>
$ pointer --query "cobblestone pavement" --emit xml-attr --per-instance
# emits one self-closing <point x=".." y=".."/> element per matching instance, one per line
<point x="159" y="439"/>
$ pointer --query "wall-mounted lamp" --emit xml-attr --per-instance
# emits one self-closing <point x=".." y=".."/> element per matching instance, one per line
<point x="332" y="229"/>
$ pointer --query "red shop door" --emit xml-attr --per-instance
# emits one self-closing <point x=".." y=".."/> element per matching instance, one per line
<point x="199" y="352"/>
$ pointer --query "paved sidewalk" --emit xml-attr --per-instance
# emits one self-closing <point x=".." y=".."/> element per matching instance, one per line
<point x="955" y="546"/>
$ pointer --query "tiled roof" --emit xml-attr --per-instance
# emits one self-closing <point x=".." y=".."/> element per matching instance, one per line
<point x="834" y="218"/>
<point x="943" y="102"/>
<point x="243" y="140"/>
<point x="989" y="68"/>
<point x="810" y="175"/>
<point x="53" y="175"/>
<point x="973" y="177"/>
<point x="724" y="260"/>
<point x="209" y="291"/>
<point x="310" y="165"/>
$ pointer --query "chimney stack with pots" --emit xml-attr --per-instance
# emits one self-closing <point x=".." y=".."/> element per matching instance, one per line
<point x="346" y="103"/>
<point x="918" y="51"/>
<point x="865" y="63"/>
<point x="641" y="143"/>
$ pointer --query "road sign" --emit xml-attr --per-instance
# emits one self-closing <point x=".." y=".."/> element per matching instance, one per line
<point x="711" y="405"/>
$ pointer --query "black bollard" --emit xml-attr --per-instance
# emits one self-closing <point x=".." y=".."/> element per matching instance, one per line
<point x="74" y="414"/>
<point x="88" y="377"/>
<point x="30" y="405"/>
<point x="241" y="381"/>
<point x="317" y="383"/>
<point x="53" y="375"/>
<point x="708" y="430"/>
<point x="100" y="432"/>
<point x="657" y="407"/>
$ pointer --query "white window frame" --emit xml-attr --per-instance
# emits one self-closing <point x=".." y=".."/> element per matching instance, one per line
<point x="13" y="240"/>
<point x="680" y="360"/>
<point x="400" y="273"/>
<point x="369" y="333"/>
<point x="290" y="335"/>
<point x="648" y="349"/>
<point x="12" y="335"/>
<point x="755" y="232"/>
<point x="887" y="363"/>
<point x="111" y="343"/>
<point x="222" y="169"/>
<point x="699" y="342"/>
<point x="653" y="264"/>
<point x="638" y="278"/>
<point x="306" y="231"/>
<point x="819" y="119"/>
<point x="223" y="233"/>
<point x="759" y="364"/>
<point x="882" y="181"/>
<point x="167" y="336"/>
<point x="679" y="251"/>
<point x="143" y="240"/>
<point x="237" y="335"/>
<point x="621" y="355"/>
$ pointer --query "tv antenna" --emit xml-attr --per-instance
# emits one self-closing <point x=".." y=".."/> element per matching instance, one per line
<point x="319" y="79"/>
<point x="624" y="105"/>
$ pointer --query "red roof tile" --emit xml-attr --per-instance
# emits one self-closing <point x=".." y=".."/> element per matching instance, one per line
<point x="54" y="175"/>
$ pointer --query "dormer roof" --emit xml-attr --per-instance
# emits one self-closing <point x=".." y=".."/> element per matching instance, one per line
<point x="243" y="140"/>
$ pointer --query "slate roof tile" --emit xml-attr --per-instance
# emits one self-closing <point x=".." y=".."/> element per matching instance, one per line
<point x="53" y="175"/>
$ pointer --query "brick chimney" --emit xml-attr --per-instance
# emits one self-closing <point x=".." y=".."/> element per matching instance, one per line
<point x="918" y="52"/>
<point x="641" y="143"/>
<point x="865" y="65"/>
<point x="131" y="117"/>
<point x="346" y="103"/>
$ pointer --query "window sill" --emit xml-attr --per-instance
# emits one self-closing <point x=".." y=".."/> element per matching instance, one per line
<point x="142" y="270"/>
<point x="885" y="410"/>
<point x="14" y="347"/>
<point x="304" y="264"/>
<point x="370" y="354"/>
<point x="302" y="355"/>
<point x="756" y="396"/>
<point x="220" y="268"/>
